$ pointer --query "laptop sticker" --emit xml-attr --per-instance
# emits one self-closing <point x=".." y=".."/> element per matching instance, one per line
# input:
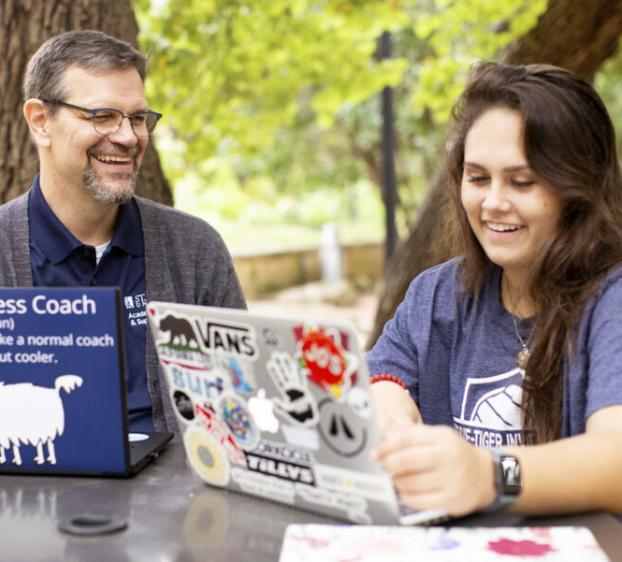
<point x="295" y="403"/>
<point x="34" y="416"/>
<point x="341" y="429"/>
<point x="183" y="405"/>
<point x="354" y="506"/>
<point x="265" y="486"/>
<point x="270" y="336"/>
<point x="378" y="487"/>
<point x="279" y="460"/>
<point x="202" y="385"/>
<point x="301" y="436"/>
<point x="242" y="382"/>
<point x="178" y="343"/>
<point x="323" y="355"/>
<point x="233" y="411"/>
<point x="219" y="431"/>
<point x="180" y="332"/>
<point x="207" y="457"/>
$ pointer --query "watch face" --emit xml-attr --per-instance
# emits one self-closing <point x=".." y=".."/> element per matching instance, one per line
<point x="512" y="482"/>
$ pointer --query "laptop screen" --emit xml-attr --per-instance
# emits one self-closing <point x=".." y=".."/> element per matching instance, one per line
<point x="62" y="384"/>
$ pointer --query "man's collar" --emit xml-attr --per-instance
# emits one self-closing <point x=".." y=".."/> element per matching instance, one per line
<point x="52" y="237"/>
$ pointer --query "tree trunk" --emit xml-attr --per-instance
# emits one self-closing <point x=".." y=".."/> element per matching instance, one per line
<point x="575" y="34"/>
<point x="24" y="26"/>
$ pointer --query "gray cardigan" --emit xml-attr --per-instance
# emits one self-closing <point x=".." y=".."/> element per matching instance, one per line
<point x="186" y="261"/>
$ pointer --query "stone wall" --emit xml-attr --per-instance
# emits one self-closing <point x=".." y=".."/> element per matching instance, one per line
<point x="261" y="274"/>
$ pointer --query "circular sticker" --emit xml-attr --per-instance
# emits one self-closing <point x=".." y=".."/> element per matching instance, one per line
<point x="183" y="405"/>
<point x="341" y="429"/>
<point x="207" y="457"/>
<point x="234" y="413"/>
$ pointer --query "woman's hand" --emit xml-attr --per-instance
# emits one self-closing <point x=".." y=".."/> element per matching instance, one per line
<point x="393" y="406"/>
<point x="433" y="467"/>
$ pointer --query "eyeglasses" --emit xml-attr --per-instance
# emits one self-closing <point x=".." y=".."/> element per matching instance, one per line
<point x="107" y="120"/>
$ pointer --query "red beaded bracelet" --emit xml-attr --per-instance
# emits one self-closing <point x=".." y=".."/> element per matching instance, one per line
<point x="388" y="378"/>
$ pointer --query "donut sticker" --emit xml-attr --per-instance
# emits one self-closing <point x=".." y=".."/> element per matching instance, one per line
<point x="234" y="413"/>
<point x="207" y="457"/>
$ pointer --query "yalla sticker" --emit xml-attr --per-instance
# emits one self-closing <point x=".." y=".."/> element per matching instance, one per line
<point x="326" y="361"/>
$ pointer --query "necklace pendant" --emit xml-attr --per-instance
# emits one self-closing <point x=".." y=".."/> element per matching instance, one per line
<point x="522" y="358"/>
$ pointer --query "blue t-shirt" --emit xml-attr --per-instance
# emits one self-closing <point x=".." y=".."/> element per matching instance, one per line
<point x="458" y="356"/>
<point x="58" y="259"/>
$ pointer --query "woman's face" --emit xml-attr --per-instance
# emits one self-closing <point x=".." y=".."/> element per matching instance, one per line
<point x="512" y="212"/>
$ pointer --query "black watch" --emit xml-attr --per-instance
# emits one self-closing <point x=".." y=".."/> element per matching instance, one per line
<point x="508" y="481"/>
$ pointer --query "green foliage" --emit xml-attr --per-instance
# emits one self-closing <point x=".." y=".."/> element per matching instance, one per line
<point x="607" y="83"/>
<point x="460" y="32"/>
<point x="272" y="108"/>
<point x="235" y="72"/>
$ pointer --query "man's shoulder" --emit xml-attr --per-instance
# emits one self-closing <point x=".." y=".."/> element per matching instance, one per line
<point x="14" y="206"/>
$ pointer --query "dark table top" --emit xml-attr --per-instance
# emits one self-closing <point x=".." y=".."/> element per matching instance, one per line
<point x="172" y="516"/>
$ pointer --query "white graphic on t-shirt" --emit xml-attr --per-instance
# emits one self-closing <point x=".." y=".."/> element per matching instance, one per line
<point x="490" y="415"/>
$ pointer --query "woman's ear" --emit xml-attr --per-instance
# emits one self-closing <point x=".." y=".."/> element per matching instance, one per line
<point x="38" y="118"/>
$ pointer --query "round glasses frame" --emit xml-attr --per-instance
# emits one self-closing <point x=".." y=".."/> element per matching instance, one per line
<point x="108" y="120"/>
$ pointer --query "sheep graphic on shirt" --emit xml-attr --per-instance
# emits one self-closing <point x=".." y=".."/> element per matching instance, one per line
<point x="33" y="415"/>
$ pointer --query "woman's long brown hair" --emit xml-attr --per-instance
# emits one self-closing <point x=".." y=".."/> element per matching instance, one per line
<point x="569" y="142"/>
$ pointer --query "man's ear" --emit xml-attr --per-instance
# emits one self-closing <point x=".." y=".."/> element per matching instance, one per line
<point x="37" y="116"/>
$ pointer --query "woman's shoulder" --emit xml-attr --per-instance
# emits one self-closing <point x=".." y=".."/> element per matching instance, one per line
<point x="444" y="276"/>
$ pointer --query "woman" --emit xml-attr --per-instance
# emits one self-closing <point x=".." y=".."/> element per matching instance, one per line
<point x="512" y="354"/>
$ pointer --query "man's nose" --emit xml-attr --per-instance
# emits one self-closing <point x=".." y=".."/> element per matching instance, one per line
<point x="125" y="133"/>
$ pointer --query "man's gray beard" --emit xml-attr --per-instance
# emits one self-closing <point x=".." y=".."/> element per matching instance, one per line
<point x="101" y="192"/>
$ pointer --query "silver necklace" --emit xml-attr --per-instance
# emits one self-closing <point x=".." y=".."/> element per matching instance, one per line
<point x="522" y="357"/>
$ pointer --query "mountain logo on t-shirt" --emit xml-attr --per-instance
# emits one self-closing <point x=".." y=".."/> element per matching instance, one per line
<point x="490" y="415"/>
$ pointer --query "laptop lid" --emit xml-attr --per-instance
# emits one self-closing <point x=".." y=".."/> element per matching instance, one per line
<point x="275" y="407"/>
<point x="62" y="382"/>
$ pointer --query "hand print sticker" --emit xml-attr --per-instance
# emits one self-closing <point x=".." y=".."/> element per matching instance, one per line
<point x="296" y="402"/>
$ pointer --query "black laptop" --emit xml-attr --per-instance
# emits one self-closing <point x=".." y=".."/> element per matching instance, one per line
<point x="63" y="402"/>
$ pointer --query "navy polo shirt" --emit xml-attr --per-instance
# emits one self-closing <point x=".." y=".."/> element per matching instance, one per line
<point x="58" y="259"/>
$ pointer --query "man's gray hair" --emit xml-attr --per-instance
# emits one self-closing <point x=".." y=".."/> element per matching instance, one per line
<point x="90" y="50"/>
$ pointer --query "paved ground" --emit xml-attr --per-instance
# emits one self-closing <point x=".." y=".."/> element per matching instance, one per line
<point x="360" y="310"/>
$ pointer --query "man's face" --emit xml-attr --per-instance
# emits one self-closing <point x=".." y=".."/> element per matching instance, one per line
<point x="107" y="166"/>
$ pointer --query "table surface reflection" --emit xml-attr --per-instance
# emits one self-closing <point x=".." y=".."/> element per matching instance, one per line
<point x="172" y="516"/>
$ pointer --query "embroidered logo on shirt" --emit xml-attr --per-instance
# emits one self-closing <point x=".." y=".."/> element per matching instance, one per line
<point x="136" y="307"/>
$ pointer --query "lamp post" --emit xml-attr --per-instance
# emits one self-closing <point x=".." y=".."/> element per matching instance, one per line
<point x="389" y="190"/>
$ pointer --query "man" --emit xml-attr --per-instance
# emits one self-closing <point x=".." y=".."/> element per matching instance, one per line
<point x="80" y="224"/>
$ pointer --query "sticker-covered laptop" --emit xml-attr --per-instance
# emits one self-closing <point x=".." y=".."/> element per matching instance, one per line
<point x="62" y="385"/>
<point x="278" y="408"/>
